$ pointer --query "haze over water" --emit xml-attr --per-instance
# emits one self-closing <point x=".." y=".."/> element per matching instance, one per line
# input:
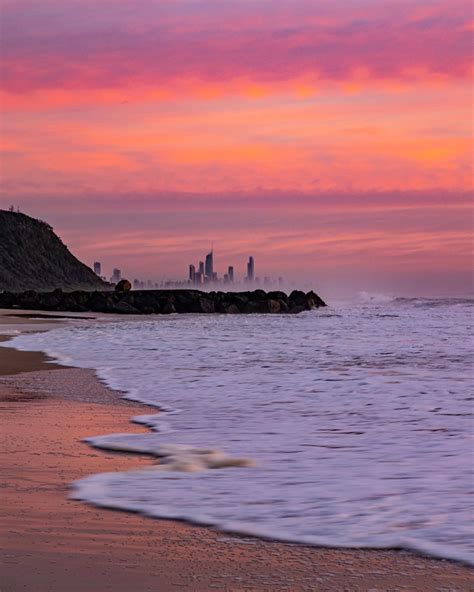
<point x="358" y="417"/>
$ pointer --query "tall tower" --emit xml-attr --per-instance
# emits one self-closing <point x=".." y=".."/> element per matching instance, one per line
<point x="209" y="270"/>
<point x="230" y="273"/>
<point x="97" y="268"/>
<point x="250" y="270"/>
<point x="192" y="274"/>
<point x="116" y="276"/>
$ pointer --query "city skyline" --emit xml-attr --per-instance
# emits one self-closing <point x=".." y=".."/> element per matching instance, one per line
<point x="206" y="275"/>
<point x="201" y="277"/>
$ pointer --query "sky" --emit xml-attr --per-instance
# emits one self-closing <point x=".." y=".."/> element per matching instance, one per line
<point x="330" y="140"/>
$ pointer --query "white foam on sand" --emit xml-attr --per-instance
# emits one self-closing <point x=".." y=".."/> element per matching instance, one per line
<point x="172" y="457"/>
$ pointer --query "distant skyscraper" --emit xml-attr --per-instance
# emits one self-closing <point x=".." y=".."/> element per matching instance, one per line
<point x="192" y="274"/>
<point x="209" y="269"/>
<point x="201" y="267"/>
<point x="116" y="276"/>
<point x="230" y="273"/>
<point x="97" y="268"/>
<point x="250" y="269"/>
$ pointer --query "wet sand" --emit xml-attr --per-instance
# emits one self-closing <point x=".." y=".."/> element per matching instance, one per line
<point x="53" y="544"/>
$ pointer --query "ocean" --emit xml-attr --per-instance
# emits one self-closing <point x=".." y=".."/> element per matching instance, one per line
<point x="349" y="426"/>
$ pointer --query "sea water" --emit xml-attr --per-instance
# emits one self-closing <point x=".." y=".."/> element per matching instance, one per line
<point x="348" y="426"/>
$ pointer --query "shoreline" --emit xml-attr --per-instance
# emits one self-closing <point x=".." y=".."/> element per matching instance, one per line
<point x="189" y="557"/>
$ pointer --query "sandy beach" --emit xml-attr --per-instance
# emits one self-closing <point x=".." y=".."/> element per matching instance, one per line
<point x="53" y="544"/>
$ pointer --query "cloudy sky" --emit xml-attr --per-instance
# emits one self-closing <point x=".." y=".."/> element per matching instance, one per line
<point x="331" y="140"/>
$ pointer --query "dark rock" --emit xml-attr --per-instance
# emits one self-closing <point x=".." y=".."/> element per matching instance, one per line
<point x="29" y="299"/>
<point x="49" y="300"/>
<point x="7" y="299"/>
<point x="273" y="306"/>
<point x="297" y="297"/>
<point x="231" y="309"/>
<point x="163" y="301"/>
<point x="73" y="302"/>
<point x="239" y="300"/>
<point x="186" y="302"/>
<point x="98" y="302"/>
<point x="167" y="307"/>
<point x="252" y="307"/>
<point x="206" y="305"/>
<point x="277" y="295"/>
<point x="124" y="308"/>
<point x="314" y="300"/>
<point x="297" y="309"/>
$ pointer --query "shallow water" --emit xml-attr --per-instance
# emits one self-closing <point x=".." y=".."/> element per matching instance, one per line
<point x="358" y="418"/>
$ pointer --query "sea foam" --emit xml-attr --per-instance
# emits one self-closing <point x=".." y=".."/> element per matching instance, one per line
<point x="359" y="422"/>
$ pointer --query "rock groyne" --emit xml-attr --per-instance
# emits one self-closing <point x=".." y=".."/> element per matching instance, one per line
<point x="163" y="301"/>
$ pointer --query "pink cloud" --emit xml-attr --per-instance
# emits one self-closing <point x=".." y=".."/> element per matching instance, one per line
<point x="157" y="48"/>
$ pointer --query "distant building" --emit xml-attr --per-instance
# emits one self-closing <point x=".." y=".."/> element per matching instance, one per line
<point x="116" y="276"/>
<point x="250" y="270"/>
<point x="97" y="268"/>
<point x="192" y="274"/>
<point x="201" y="267"/>
<point x="209" y="267"/>
<point x="230" y="274"/>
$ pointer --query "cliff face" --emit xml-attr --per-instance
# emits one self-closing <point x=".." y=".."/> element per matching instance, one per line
<point x="33" y="257"/>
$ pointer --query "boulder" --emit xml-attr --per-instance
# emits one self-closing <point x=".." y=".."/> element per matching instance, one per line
<point x="314" y="300"/>
<point x="50" y="300"/>
<point x="124" y="308"/>
<point x="206" y="305"/>
<point x="98" y="301"/>
<point x="297" y="297"/>
<point x="166" y="306"/>
<point x="273" y="306"/>
<point x="231" y="309"/>
<point x="123" y="286"/>
<point x="7" y="299"/>
<point x="278" y="295"/>
<point x="29" y="299"/>
<point x="252" y="307"/>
